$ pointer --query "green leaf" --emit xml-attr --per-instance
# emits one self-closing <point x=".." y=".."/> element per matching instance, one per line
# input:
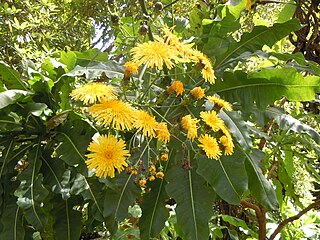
<point x="91" y="189"/>
<point x="11" y="96"/>
<point x="122" y="194"/>
<point x="266" y="86"/>
<point x="227" y="176"/>
<point x="31" y="193"/>
<point x="73" y="139"/>
<point x="67" y="220"/>
<point x="257" y="38"/>
<point x="303" y="64"/>
<point x="55" y="174"/>
<point x="91" y="55"/>
<point x="287" y="122"/>
<point x="259" y="186"/>
<point x="154" y="211"/>
<point x="11" y="77"/>
<point x="194" y="201"/>
<point x="111" y="69"/>
<point x="239" y="223"/>
<point x="12" y="222"/>
<point x="237" y="127"/>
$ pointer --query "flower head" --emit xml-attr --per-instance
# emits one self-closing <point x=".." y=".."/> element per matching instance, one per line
<point x="116" y="113"/>
<point x="160" y="175"/>
<point x="131" y="67"/>
<point x="164" y="157"/>
<point x="207" y="70"/>
<point x="94" y="92"/>
<point x="146" y="123"/>
<point x="176" y="86"/>
<point x="228" y="145"/>
<point x="176" y="42"/>
<point x="190" y="124"/>
<point x="220" y="102"/>
<point x="211" y="119"/>
<point x="162" y="132"/>
<point x="198" y="92"/>
<point x="107" y="154"/>
<point x="210" y="145"/>
<point x="155" y="54"/>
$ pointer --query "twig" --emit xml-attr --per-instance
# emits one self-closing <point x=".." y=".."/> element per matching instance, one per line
<point x="291" y="219"/>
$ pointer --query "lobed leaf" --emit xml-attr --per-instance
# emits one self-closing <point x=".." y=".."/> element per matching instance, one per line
<point x="264" y="87"/>
<point x="287" y="122"/>
<point x="256" y="39"/>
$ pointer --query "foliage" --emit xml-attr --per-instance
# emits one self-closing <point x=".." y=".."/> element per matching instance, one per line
<point x="181" y="177"/>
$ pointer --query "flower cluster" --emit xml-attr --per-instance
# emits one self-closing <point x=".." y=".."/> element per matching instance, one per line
<point x="168" y="51"/>
<point x="110" y="108"/>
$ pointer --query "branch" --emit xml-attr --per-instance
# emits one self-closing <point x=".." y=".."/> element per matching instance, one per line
<point x="261" y="216"/>
<point x="291" y="219"/>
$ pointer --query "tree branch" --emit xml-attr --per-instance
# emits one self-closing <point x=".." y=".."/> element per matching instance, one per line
<point x="261" y="216"/>
<point x="291" y="219"/>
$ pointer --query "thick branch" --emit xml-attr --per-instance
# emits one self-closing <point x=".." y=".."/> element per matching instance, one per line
<point x="291" y="219"/>
<point x="261" y="216"/>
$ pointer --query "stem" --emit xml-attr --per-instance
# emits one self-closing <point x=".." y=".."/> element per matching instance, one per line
<point x="291" y="219"/>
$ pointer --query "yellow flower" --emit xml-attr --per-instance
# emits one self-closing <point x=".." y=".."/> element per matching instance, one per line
<point x="190" y="124"/>
<point x="228" y="145"/>
<point x="211" y="119"/>
<point x="94" y="92"/>
<point x="152" y="178"/>
<point x="142" y="182"/>
<point x="224" y="129"/>
<point x="176" y="86"/>
<point x="176" y="42"/>
<point x="155" y="54"/>
<point x="207" y="70"/>
<point x="116" y="113"/>
<point x="164" y="157"/>
<point x="146" y="123"/>
<point x="152" y="169"/>
<point x="131" y="67"/>
<point x="160" y="175"/>
<point x="220" y="102"/>
<point x="162" y="132"/>
<point x="198" y="92"/>
<point x="210" y="146"/>
<point x="107" y="154"/>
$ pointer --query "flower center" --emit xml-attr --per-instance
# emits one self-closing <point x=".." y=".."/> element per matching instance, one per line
<point x="108" y="154"/>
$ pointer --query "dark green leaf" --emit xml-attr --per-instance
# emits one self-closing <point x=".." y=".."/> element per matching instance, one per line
<point x="67" y="221"/>
<point x="259" y="186"/>
<point x="91" y="189"/>
<point x="194" y="201"/>
<point x="227" y="176"/>
<point x="12" y="223"/>
<point x="74" y="138"/>
<point x="154" y="211"/>
<point x="123" y="194"/>
<point x="31" y="193"/>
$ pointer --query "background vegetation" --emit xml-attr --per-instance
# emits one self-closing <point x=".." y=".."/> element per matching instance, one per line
<point x="266" y="59"/>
